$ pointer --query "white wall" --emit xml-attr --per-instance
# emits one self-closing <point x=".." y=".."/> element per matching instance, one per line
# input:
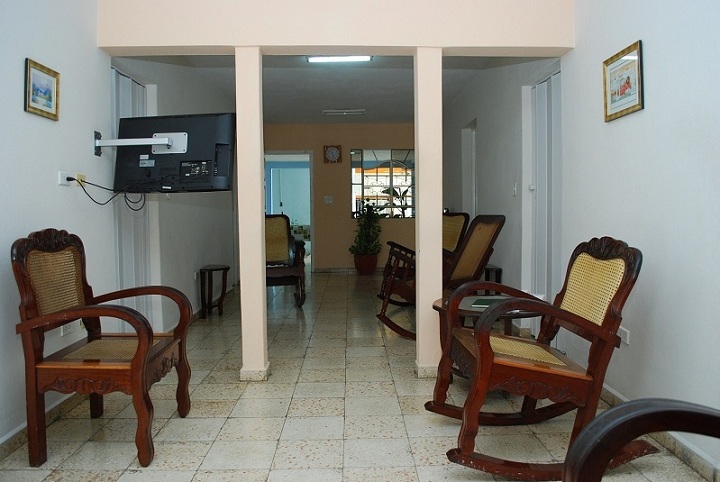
<point x="492" y="102"/>
<point x="649" y="178"/>
<point x="194" y="229"/>
<point x="33" y="149"/>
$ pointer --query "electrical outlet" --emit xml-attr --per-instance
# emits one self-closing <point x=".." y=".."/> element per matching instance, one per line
<point x="624" y="335"/>
<point x="79" y="179"/>
<point x="62" y="178"/>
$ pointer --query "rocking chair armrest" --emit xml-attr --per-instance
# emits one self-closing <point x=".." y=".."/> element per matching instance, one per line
<point x="59" y="318"/>
<point x="605" y="436"/>
<point x="575" y="323"/>
<point x="182" y="302"/>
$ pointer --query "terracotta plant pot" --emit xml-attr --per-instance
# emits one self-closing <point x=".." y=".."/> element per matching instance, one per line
<point x="365" y="264"/>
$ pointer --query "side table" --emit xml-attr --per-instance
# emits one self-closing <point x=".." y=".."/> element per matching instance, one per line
<point x="206" y="288"/>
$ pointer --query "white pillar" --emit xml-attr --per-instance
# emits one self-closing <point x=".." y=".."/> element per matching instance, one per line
<point x="428" y="223"/>
<point x="249" y="174"/>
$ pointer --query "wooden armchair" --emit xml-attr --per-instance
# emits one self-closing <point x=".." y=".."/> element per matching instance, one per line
<point x="49" y="268"/>
<point x="606" y="435"/>
<point x="465" y="263"/>
<point x="600" y="276"/>
<point x="285" y="256"/>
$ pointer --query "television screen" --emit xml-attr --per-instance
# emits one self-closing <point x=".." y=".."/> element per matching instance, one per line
<point x="199" y="159"/>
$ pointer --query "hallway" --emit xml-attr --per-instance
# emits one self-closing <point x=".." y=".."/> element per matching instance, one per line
<point x="342" y="404"/>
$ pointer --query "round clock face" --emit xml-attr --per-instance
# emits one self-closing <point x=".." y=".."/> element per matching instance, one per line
<point x="332" y="153"/>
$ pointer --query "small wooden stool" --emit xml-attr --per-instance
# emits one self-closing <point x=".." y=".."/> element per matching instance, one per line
<point x="206" y="295"/>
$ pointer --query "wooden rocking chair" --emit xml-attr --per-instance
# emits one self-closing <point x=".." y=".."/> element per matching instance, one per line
<point x="466" y="263"/>
<point x="600" y="276"/>
<point x="49" y="268"/>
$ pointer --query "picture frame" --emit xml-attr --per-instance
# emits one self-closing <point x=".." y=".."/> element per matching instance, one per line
<point x="42" y="90"/>
<point x="623" y="82"/>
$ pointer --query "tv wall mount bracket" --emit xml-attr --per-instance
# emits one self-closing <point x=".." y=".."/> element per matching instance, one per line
<point x="161" y="142"/>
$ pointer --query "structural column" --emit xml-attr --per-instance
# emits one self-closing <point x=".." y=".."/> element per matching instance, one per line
<point x="428" y="222"/>
<point x="251" y="218"/>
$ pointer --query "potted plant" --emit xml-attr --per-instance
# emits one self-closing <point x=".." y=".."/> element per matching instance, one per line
<point x="367" y="239"/>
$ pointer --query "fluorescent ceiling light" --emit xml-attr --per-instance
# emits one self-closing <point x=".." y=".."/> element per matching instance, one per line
<point x="344" y="112"/>
<point x="340" y="58"/>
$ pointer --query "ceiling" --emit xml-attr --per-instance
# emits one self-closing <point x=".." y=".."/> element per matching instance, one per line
<point x="296" y="91"/>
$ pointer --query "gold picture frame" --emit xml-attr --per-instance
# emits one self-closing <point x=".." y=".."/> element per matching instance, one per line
<point x="42" y="90"/>
<point x="623" y="82"/>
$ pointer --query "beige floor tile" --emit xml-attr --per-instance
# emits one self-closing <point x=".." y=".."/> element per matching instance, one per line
<point x="240" y="455"/>
<point x="308" y="454"/>
<point x="317" y="407"/>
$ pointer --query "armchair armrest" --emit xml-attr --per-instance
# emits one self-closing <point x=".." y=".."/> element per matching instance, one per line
<point x="182" y="302"/>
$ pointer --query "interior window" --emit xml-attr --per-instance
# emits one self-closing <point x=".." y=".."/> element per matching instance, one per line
<point x="386" y="179"/>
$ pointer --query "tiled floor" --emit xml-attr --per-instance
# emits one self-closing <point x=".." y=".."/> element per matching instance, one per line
<point x="342" y="404"/>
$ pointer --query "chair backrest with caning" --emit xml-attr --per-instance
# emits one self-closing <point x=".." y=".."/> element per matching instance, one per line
<point x="49" y="269"/>
<point x="278" y="248"/>
<point x="475" y="249"/>
<point x="600" y="276"/>
<point x="454" y="226"/>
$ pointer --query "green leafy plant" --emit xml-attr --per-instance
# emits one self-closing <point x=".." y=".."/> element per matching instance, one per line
<point x="367" y="234"/>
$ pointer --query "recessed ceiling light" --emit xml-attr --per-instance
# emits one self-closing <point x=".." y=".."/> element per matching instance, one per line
<point x="343" y="112"/>
<point x="340" y="58"/>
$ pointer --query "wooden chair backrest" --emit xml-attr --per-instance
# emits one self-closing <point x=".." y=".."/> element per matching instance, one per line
<point x="601" y="273"/>
<point x="49" y="268"/>
<point x="474" y="251"/>
<point x="278" y="243"/>
<point x="453" y="230"/>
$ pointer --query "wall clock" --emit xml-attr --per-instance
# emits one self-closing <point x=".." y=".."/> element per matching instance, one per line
<point x="332" y="153"/>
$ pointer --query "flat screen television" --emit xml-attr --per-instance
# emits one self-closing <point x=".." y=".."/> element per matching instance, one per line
<point x="199" y="159"/>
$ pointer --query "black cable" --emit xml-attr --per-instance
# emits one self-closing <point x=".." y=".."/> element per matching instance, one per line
<point x="128" y="201"/>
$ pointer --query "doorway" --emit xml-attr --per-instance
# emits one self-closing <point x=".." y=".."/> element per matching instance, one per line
<point x="288" y="191"/>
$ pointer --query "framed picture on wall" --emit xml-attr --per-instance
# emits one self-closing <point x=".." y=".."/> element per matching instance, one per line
<point x="42" y="90"/>
<point x="623" y="82"/>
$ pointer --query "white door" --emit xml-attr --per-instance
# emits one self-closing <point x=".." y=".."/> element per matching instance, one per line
<point x="546" y="274"/>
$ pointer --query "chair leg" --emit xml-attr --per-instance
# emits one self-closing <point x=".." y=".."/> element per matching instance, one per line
<point x="442" y="384"/>
<point x="300" y="291"/>
<point x="471" y="416"/>
<point x="36" y="430"/>
<point x="96" y="405"/>
<point x="143" y="436"/>
<point x="182" y="395"/>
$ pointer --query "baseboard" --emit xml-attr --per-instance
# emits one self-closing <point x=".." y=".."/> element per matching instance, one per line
<point x="14" y="442"/>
